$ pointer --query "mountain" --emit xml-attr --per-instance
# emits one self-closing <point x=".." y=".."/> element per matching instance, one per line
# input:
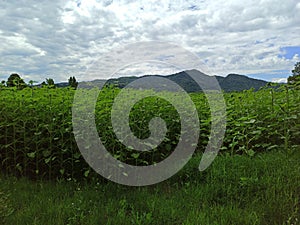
<point x="232" y="82"/>
<point x="236" y="82"/>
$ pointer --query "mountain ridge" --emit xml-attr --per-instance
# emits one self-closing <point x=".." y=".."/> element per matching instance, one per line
<point x="232" y="82"/>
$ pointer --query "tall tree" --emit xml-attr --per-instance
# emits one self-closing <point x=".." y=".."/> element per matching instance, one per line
<point x="15" y="80"/>
<point x="72" y="82"/>
<point x="295" y="78"/>
<point x="50" y="82"/>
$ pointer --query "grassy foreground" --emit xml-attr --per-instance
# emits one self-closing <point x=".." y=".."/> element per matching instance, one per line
<point x="264" y="189"/>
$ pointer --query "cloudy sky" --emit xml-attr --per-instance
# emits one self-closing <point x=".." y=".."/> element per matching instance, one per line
<point x="58" y="39"/>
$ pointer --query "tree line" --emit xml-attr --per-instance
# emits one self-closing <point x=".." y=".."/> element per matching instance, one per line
<point x="15" y="80"/>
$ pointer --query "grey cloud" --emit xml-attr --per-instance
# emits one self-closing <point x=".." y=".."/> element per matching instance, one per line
<point x="231" y="36"/>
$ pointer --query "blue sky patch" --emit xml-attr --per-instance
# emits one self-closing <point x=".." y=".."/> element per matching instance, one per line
<point x="193" y="7"/>
<point x="272" y="75"/>
<point x="289" y="52"/>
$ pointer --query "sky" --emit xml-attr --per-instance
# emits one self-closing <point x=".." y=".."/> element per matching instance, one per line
<point x="58" y="39"/>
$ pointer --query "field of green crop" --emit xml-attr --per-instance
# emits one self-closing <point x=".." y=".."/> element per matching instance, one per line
<point x="37" y="144"/>
<point x="36" y="138"/>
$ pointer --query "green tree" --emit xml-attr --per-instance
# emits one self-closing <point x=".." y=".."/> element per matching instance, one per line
<point x="31" y="82"/>
<point x="72" y="82"/>
<point x="295" y="78"/>
<point x="43" y="84"/>
<point x="50" y="82"/>
<point x="15" y="80"/>
<point x="2" y="84"/>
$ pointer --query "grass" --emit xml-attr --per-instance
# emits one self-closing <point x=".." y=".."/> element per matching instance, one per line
<point x="264" y="189"/>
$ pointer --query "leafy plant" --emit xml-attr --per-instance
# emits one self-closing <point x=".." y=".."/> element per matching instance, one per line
<point x="37" y="141"/>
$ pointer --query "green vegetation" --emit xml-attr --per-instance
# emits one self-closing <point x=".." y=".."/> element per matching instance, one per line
<point x="50" y="82"/>
<point x="36" y="138"/>
<point x="254" y="180"/>
<point x="5" y="206"/>
<point x="72" y="82"/>
<point x="15" y="80"/>
<point x="233" y="190"/>
<point x="295" y="78"/>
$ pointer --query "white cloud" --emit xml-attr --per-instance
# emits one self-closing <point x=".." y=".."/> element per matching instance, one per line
<point x="279" y="80"/>
<point x="58" y="38"/>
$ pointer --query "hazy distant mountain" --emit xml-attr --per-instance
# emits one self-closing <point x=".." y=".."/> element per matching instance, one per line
<point x="236" y="82"/>
<point x="94" y="83"/>
<point x="232" y="82"/>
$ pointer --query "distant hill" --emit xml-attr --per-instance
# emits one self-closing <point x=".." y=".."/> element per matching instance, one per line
<point x="232" y="82"/>
<point x="236" y="82"/>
